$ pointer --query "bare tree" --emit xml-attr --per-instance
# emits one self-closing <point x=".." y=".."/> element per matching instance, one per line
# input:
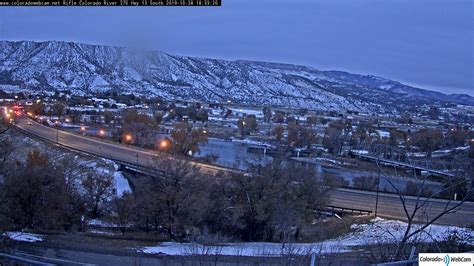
<point x="123" y="207"/>
<point x="108" y="116"/>
<point x="300" y="136"/>
<point x="416" y="208"/>
<point x="178" y="196"/>
<point x="58" y="109"/>
<point x="267" y="114"/>
<point x="276" y="201"/>
<point x="6" y="150"/>
<point x="247" y="125"/>
<point x="98" y="190"/>
<point x="141" y="126"/>
<point x="35" y="195"/>
<point x="5" y="124"/>
<point x="278" y="132"/>
<point x="428" y="140"/>
<point x="334" y="137"/>
<point x="186" y="139"/>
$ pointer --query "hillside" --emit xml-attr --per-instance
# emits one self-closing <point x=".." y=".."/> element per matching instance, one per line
<point x="86" y="69"/>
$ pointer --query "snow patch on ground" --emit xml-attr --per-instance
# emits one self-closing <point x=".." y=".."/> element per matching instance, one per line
<point x="25" y="237"/>
<point x="390" y="231"/>
<point x="121" y="184"/>
<point x="376" y="232"/>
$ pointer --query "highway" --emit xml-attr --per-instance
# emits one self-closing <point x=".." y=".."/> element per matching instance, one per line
<point x="108" y="150"/>
<point x="389" y="205"/>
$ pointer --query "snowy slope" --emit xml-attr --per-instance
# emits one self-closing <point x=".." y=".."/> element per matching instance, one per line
<point x="87" y="69"/>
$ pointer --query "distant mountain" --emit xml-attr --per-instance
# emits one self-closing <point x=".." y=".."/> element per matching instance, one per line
<point x="86" y="69"/>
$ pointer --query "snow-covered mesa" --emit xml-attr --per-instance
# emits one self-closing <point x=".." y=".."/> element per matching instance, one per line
<point x="378" y="231"/>
<point x="86" y="69"/>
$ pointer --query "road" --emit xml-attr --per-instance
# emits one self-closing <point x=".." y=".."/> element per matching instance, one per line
<point x="112" y="151"/>
<point x="389" y="205"/>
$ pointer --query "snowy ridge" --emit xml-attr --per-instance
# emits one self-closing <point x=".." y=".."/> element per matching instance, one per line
<point x="84" y="68"/>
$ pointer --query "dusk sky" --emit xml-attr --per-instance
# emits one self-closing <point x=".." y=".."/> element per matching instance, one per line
<point x="425" y="43"/>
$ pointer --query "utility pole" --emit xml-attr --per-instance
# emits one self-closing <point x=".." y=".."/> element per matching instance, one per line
<point x="377" y="195"/>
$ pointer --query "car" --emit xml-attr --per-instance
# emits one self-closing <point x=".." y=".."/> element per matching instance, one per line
<point x="30" y="123"/>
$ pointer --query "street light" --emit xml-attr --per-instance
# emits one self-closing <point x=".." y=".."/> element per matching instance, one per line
<point x="128" y="138"/>
<point x="164" y="144"/>
<point x="102" y="132"/>
<point x="57" y="131"/>
<point x="378" y="188"/>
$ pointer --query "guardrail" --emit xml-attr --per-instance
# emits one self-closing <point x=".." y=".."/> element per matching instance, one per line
<point x="346" y="210"/>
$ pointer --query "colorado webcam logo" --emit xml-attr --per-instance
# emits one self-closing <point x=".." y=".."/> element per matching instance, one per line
<point x="451" y="259"/>
<point x="446" y="259"/>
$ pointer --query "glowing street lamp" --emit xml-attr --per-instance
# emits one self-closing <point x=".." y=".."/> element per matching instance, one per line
<point x="164" y="144"/>
<point x="128" y="138"/>
<point x="102" y="132"/>
<point x="67" y="120"/>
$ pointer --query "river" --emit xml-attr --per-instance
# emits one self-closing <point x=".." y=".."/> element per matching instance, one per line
<point x="235" y="155"/>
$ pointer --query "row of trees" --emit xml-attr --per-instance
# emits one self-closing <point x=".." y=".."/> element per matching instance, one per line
<point x="271" y="205"/>
<point x="40" y="192"/>
<point x="44" y="192"/>
<point x="193" y="112"/>
<point x="338" y="133"/>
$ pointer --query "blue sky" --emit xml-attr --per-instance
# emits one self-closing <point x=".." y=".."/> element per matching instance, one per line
<point x="426" y="43"/>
